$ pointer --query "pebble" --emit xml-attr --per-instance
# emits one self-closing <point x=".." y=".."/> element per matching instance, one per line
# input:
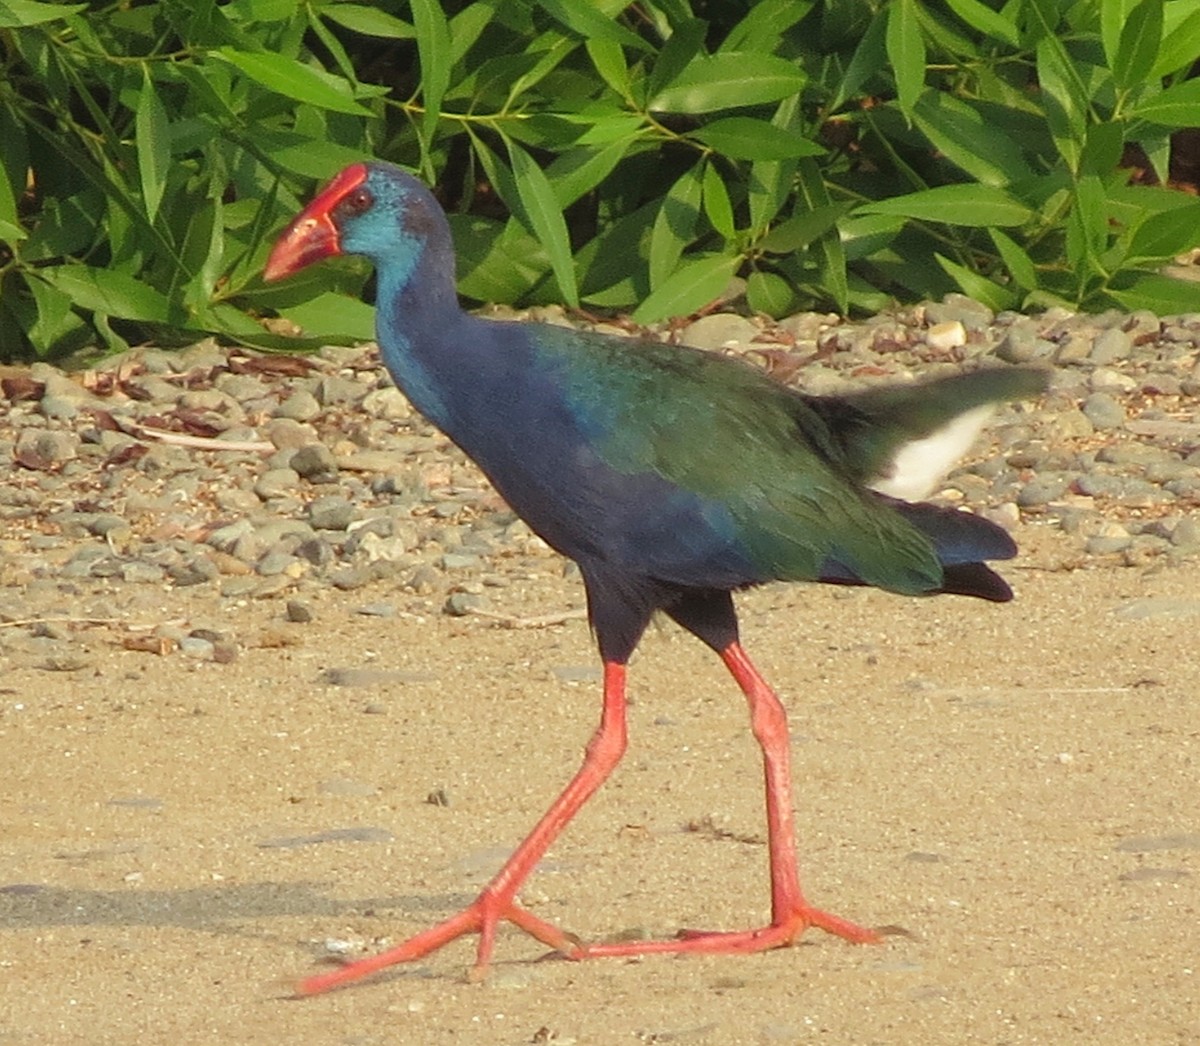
<point x="352" y="487"/>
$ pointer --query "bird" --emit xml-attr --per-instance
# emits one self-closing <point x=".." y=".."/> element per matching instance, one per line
<point x="673" y="477"/>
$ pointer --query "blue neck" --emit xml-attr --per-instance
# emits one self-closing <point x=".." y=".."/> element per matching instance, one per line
<point x="418" y="321"/>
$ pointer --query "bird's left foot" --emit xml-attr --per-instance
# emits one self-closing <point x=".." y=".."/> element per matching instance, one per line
<point x="779" y="934"/>
<point x="482" y="917"/>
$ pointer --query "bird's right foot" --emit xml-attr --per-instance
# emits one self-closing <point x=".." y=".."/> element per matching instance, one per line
<point x="779" y="934"/>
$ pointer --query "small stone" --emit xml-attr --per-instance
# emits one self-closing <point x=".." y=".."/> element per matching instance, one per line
<point x="388" y="403"/>
<point x="1186" y="533"/>
<point x="958" y="308"/>
<point x="945" y="336"/>
<point x="1099" y="545"/>
<point x="719" y="330"/>
<point x="139" y="572"/>
<point x="377" y="610"/>
<point x="298" y="612"/>
<point x="194" y="571"/>
<point x="333" y="390"/>
<point x="1110" y="346"/>
<point x="1042" y="489"/>
<point x="42" y="449"/>
<point x="199" y="649"/>
<point x="316" y="463"/>
<point x="1022" y="344"/>
<point x="226" y="538"/>
<point x="289" y="434"/>
<point x="462" y="604"/>
<point x="331" y="512"/>
<point x="1077" y="347"/>
<point x="274" y="562"/>
<point x="58" y="407"/>
<point x="276" y="483"/>
<point x="301" y="405"/>
<point x="1103" y="411"/>
<point x="460" y="561"/>
<point x="350" y="578"/>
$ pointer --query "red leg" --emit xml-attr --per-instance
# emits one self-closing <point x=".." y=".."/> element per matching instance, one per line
<point x="790" y="913"/>
<point x="496" y="903"/>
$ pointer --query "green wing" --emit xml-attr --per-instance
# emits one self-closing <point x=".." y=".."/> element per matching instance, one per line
<point x="770" y="475"/>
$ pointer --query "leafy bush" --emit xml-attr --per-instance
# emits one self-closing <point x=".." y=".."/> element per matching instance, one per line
<point x="837" y="154"/>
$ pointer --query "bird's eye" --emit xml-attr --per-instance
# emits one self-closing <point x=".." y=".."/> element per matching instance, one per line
<point x="358" y="201"/>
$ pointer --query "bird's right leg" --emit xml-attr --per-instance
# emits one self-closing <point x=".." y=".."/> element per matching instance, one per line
<point x="497" y="902"/>
<point x="791" y="914"/>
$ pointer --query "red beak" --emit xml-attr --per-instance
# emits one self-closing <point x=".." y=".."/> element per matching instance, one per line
<point x="312" y="234"/>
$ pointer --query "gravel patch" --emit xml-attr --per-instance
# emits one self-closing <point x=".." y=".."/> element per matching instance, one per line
<point x="269" y="477"/>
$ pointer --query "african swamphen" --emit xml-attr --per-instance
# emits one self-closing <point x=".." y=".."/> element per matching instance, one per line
<point x="671" y="477"/>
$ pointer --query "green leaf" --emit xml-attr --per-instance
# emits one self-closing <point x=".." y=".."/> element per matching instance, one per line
<point x="983" y="19"/>
<point x="56" y="316"/>
<point x="153" y="140"/>
<point x="111" y="292"/>
<point x="294" y="80"/>
<point x="812" y="191"/>
<point x="697" y="282"/>
<point x="579" y="171"/>
<point x="1160" y="294"/>
<point x="330" y="315"/>
<point x="602" y="129"/>
<point x="1165" y="235"/>
<point x="202" y="252"/>
<point x="716" y="202"/>
<point x="589" y="22"/>
<point x="497" y="261"/>
<point x="1087" y="227"/>
<point x="544" y="217"/>
<point x="802" y="229"/>
<point x="1102" y="148"/>
<point x="608" y="59"/>
<point x="312" y="158"/>
<point x="1113" y="16"/>
<point x="20" y="14"/>
<point x="1141" y="37"/>
<point x="771" y="294"/>
<point x="1177" y="106"/>
<point x="1018" y="263"/>
<point x="770" y="182"/>
<point x="970" y="205"/>
<point x="1064" y="99"/>
<point x="370" y="21"/>
<point x="684" y="46"/>
<point x="870" y="56"/>
<point x="960" y="132"/>
<point x="976" y="286"/>
<point x="433" y="49"/>
<point x="765" y="22"/>
<point x="1181" y="40"/>
<point x="675" y="225"/>
<point x="906" y="52"/>
<point x="10" y="222"/>
<point x="727" y="81"/>
<point x="745" y="138"/>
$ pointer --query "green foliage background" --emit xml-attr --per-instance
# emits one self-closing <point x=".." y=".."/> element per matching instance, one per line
<point x="835" y="153"/>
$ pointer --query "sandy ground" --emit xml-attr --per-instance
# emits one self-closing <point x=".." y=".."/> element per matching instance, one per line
<point x="1016" y="786"/>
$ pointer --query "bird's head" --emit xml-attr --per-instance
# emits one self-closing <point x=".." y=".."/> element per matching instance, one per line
<point x="372" y="209"/>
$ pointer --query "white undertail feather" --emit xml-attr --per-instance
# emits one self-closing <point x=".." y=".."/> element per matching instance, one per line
<point x="920" y="464"/>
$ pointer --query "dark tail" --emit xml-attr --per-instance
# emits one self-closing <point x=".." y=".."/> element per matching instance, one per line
<point x="962" y="541"/>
